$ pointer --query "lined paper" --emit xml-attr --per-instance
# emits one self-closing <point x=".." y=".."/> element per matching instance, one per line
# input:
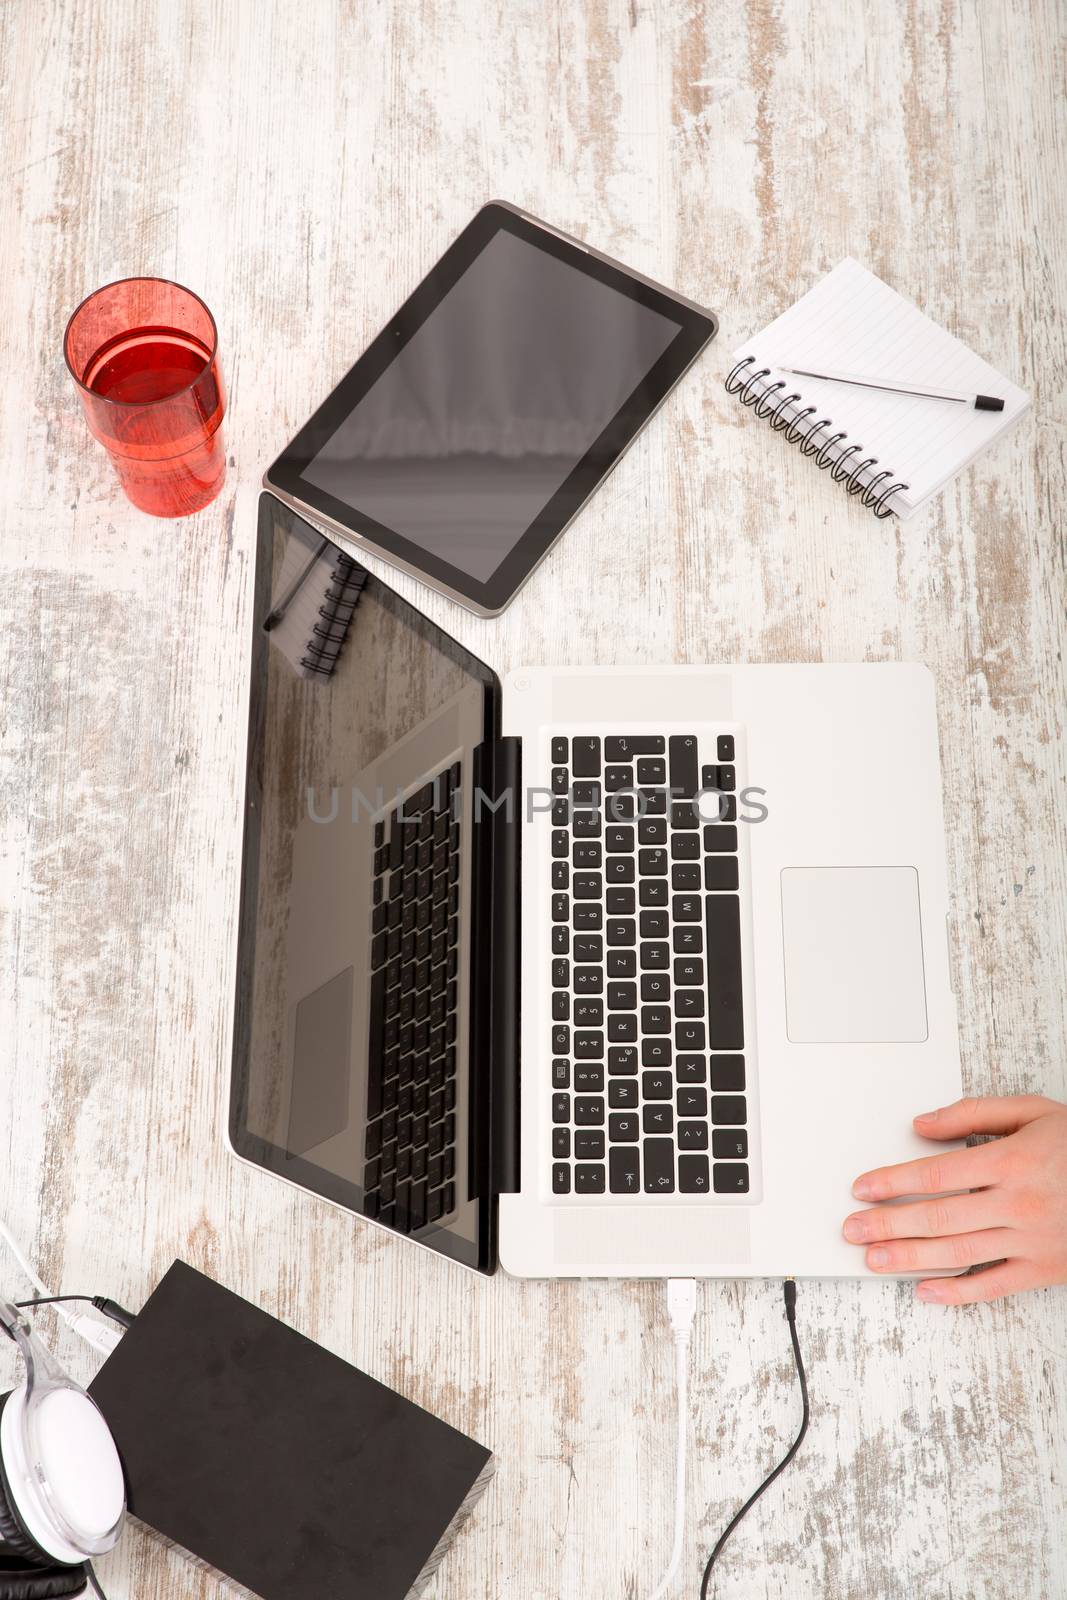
<point x="854" y="322"/>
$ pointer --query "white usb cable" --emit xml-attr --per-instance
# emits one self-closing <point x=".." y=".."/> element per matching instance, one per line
<point x="681" y="1306"/>
<point x="96" y="1334"/>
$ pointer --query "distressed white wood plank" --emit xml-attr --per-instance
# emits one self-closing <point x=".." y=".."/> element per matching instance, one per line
<point x="302" y="167"/>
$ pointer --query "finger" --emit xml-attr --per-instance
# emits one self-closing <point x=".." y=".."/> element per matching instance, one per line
<point x="956" y="1169"/>
<point x="956" y="1250"/>
<point x="984" y="1114"/>
<point x="927" y="1219"/>
<point x="1007" y="1277"/>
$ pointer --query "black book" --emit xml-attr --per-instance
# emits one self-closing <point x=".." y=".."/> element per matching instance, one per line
<point x="272" y="1460"/>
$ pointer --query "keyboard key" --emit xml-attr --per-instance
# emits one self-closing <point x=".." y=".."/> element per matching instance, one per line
<point x="728" y="1144"/>
<point x="587" y="917"/>
<point x="720" y="836"/>
<point x="561" y="940"/>
<point x="685" y="772"/>
<point x="561" y="1108"/>
<point x="685" y="875"/>
<point x="619" y="869"/>
<point x="589" y="1179"/>
<point x="720" y="872"/>
<point x="587" y="853"/>
<point x="589" y="1145"/>
<point x="622" y="1094"/>
<point x="621" y="931"/>
<point x="653" y="863"/>
<point x="659" y="1166"/>
<point x="561" y="1073"/>
<point x="560" y="780"/>
<point x="688" y="970"/>
<point x="728" y="1074"/>
<point x="629" y="746"/>
<point x="655" y="1019"/>
<point x="622" y="996"/>
<point x="685" y="908"/>
<point x="585" y="794"/>
<point x="687" y="940"/>
<point x="657" y="1085"/>
<point x="624" y="1171"/>
<point x="620" y="902"/>
<point x="689" y="1035"/>
<point x="588" y="885"/>
<point x="652" y="802"/>
<point x="616" y="778"/>
<point x="730" y="1178"/>
<point x="729" y="1110"/>
<point x="589" y="1046"/>
<point x="692" y="1102"/>
<point x="685" y="847"/>
<point x="652" y="831"/>
<point x="693" y="1136"/>
<point x="658" y="1119"/>
<point x="725" y="779"/>
<point x="655" y="987"/>
<point x="651" y="770"/>
<point x="621" y="807"/>
<point x="561" y="1005"/>
<point x="689" y="1003"/>
<point x="622" y="1027"/>
<point x="622" y="1058"/>
<point x="725" y="1023"/>
<point x="585" y="757"/>
<point x="561" y="1146"/>
<point x="656" y="1052"/>
<point x="589" y="1078"/>
<point x="655" y="894"/>
<point x="655" y="957"/>
<point x="690" y="1069"/>
<point x="561" y="973"/>
<point x="684" y="815"/>
<point x="623" y="1128"/>
<point x="588" y="1110"/>
<point x="618" y="838"/>
<point x="561" y="1041"/>
<point x="559" y="749"/>
<point x="588" y="980"/>
<point x="724" y="747"/>
<point x="586" y="825"/>
<point x="561" y="1178"/>
<point x="622" y="963"/>
<point x="561" y="907"/>
<point x="590" y="947"/>
<point x="693" y="1175"/>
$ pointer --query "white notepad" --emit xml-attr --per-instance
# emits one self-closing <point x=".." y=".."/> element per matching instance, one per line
<point x="897" y="451"/>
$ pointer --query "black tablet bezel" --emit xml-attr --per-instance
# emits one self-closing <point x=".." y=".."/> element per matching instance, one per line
<point x="695" y="328"/>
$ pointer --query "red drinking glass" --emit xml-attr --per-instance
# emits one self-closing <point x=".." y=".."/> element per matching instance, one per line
<point x="143" y="353"/>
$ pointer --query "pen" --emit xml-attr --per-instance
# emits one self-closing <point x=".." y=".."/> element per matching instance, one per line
<point x="275" y="616"/>
<point x="979" y="402"/>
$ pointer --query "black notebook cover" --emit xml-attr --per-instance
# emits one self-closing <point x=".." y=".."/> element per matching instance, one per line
<point x="274" y="1461"/>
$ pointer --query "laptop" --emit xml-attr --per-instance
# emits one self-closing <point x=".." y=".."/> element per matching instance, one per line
<point x="614" y="972"/>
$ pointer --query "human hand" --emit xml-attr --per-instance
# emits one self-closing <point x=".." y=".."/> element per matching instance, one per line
<point x="1017" y="1218"/>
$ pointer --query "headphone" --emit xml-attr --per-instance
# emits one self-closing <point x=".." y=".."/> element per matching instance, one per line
<point x="62" y="1492"/>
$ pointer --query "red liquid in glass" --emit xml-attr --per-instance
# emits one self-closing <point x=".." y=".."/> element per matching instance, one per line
<point x="162" y="427"/>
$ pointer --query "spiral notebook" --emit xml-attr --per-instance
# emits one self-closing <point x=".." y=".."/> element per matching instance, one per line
<point x="896" y="451"/>
<point x="314" y="600"/>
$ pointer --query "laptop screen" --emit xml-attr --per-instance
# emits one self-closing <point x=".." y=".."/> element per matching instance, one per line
<point x="351" y="1035"/>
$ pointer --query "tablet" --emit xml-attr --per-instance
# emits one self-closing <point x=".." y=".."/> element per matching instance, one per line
<point x="480" y="420"/>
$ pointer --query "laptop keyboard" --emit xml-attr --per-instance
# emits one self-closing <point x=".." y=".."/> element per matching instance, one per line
<point x="410" y="1140"/>
<point x="648" y="1071"/>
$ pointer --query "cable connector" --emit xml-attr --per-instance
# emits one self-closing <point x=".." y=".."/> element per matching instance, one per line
<point x="102" y="1338"/>
<point x="682" y="1305"/>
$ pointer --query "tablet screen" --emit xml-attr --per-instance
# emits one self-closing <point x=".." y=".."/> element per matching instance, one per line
<point x="503" y="391"/>
<point x="488" y="408"/>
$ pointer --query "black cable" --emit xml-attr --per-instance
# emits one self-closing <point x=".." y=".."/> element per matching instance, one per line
<point x="110" y="1308"/>
<point x="90" y="1573"/>
<point x="790" y="1289"/>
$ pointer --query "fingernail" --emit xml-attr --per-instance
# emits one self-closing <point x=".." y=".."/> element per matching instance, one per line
<point x="862" y="1189"/>
<point x="927" y="1116"/>
<point x="855" y="1229"/>
<point x="930" y="1292"/>
<point x="878" y="1257"/>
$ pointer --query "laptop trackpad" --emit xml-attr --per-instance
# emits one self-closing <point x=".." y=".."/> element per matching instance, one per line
<point x="853" y="955"/>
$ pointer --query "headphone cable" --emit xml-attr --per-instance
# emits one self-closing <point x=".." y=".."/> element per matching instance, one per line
<point x="90" y="1573"/>
<point x="790" y="1294"/>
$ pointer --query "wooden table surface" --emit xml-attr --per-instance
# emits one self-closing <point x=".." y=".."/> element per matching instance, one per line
<point x="302" y="166"/>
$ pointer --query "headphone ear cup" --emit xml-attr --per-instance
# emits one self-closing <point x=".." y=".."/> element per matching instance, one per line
<point x="22" y="1580"/>
<point x="12" y="1532"/>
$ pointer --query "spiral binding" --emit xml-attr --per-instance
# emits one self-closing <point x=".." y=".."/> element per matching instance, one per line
<point x="771" y="404"/>
<point x="335" y="614"/>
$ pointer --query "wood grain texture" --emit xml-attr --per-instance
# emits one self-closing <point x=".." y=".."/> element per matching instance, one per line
<point x="301" y="166"/>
